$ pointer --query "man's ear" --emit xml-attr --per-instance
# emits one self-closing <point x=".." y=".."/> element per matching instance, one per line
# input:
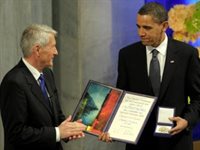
<point x="165" y="25"/>
<point x="36" y="49"/>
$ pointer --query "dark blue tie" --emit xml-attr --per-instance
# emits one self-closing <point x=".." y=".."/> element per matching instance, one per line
<point x="43" y="88"/>
<point x="154" y="72"/>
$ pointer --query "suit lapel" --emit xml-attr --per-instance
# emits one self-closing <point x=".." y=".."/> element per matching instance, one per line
<point x="141" y="59"/>
<point x="33" y="85"/>
<point x="169" y="69"/>
<point x="138" y="64"/>
<point x="35" y="88"/>
<point x="49" y="89"/>
<point x="146" y="76"/>
<point x="52" y="98"/>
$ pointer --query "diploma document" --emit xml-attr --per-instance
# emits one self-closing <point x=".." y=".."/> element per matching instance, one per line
<point x="121" y="113"/>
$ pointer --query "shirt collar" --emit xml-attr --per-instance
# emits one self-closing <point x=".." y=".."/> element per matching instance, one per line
<point x="162" y="48"/>
<point x="33" y="70"/>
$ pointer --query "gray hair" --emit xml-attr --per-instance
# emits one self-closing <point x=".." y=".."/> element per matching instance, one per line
<point x="35" y="34"/>
<point x="156" y="10"/>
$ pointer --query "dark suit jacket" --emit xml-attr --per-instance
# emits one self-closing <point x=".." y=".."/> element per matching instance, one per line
<point x="181" y="78"/>
<point x="28" y="123"/>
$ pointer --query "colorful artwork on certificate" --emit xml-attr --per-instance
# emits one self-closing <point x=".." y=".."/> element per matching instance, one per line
<point x="96" y="106"/>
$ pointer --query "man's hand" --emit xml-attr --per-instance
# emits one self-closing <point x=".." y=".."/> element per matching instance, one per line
<point x="77" y="136"/>
<point x="105" y="137"/>
<point x="71" y="130"/>
<point x="181" y="124"/>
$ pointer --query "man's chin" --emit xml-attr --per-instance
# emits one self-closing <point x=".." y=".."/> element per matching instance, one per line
<point x="146" y="43"/>
<point x="50" y="65"/>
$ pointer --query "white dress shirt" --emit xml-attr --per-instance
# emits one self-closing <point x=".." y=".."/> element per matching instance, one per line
<point x="162" y="49"/>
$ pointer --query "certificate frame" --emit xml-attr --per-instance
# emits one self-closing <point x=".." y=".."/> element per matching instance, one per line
<point x="100" y="105"/>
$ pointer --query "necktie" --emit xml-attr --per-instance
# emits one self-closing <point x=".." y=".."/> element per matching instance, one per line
<point x="43" y="88"/>
<point x="154" y="72"/>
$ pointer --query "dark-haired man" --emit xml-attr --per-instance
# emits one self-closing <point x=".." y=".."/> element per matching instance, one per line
<point x="178" y="68"/>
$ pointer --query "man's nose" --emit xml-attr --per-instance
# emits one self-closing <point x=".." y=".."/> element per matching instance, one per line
<point x="141" y="32"/>
<point x="55" y="51"/>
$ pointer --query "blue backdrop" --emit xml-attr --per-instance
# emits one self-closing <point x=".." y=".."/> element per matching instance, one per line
<point x="169" y="4"/>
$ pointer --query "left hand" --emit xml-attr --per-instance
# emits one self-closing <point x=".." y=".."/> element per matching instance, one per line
<point x="77" y="136"/>
<point x="181" y="124"/>
<point x="105" y="137"/>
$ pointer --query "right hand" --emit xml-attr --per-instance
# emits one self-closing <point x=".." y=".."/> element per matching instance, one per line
<point x="105" y="137"/>
<point x="71" y="130"/>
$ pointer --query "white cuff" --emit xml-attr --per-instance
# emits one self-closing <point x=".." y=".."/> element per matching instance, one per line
<point x="57" y="134"/>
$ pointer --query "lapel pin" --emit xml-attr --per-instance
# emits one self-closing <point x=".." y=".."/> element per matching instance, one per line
<point x="171" y="61"/>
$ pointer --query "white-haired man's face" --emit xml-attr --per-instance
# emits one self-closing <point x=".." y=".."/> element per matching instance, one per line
<point x="46" y="53"/>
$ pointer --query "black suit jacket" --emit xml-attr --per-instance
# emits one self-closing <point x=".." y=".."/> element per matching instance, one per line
<point x="28" y="123"/>
<point x="181" y="78"/>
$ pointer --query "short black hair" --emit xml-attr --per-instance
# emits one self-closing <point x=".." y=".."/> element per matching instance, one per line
<point x="156" y="10"/>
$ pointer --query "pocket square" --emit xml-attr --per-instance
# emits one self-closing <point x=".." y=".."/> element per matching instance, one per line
<point x="172" y="61"/>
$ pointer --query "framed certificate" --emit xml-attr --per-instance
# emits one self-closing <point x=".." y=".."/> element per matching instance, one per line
<point x="122" y="114"/>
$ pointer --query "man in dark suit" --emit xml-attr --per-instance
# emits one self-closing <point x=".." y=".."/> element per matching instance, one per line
<point x="31" y="113"/>
<point x="179" y="77"/>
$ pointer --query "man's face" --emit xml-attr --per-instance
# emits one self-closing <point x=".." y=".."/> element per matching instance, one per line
<point x="48" y="52"/>
<point x="150" y="32"/>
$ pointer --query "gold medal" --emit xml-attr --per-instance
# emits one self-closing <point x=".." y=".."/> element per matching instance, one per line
<point x="163" y="129"/>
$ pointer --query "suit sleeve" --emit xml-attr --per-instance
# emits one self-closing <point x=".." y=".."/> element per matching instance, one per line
<point x="192" y="114"/>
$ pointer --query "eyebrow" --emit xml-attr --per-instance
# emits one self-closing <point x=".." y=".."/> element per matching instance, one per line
<point x="145" y="26"/>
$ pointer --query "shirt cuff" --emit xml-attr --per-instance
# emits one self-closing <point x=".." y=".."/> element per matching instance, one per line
<point x="57" y="134"/>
